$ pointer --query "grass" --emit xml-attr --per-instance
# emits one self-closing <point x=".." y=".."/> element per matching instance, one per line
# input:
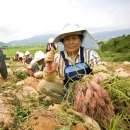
<point x="11" y="50"/>
<point x="114" y="57"/>
<point x="107" y="55"/>
<point x="116" y="49"/>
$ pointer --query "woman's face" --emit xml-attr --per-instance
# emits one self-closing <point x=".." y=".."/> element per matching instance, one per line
<point x="72" y="43"/>
<point x="40" y="61"/>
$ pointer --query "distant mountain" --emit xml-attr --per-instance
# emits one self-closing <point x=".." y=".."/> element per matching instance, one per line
<point x="110" y="34"/>
<point x="44" y="38"/>
<point x="35" y="39"/>
<point x="2" y="44"/>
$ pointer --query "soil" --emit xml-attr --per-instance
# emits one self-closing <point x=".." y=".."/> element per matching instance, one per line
<point x="42" y="119"/>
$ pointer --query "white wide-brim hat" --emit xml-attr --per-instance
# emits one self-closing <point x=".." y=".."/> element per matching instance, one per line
<point x="69" y="29"/>
<point x="21" y="54"/>
<point x="27" y="53"/>
<point x="87" y="42"/>
<point x="17" y="52"/>
<point x="51" y="40"/>
<point x="39" y="55"/>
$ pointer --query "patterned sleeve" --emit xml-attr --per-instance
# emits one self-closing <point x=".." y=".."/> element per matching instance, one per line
<point x="94" y="58"/>
<point x="56" y="58"/>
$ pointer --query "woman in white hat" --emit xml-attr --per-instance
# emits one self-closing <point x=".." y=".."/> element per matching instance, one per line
<point x="72" y="63"/>
<point x="37" y="65"/>
<point x="21" y="57"/>
<point x="28" y="57"/>
<point x="16" y="56"/>
<point x="50" y="45"/>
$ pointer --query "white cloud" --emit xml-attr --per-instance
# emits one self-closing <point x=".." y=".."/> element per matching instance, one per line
<point x="24" y="18"/>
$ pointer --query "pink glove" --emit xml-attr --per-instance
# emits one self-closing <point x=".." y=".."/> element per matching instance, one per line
<point x="51" y="67"/>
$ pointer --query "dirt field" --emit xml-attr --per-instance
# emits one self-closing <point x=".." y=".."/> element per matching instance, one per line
<point x="23" y="108"/>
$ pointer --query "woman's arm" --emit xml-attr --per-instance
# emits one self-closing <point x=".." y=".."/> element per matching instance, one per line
<point x="98" y="68"/>
<point x="50" y="70"/>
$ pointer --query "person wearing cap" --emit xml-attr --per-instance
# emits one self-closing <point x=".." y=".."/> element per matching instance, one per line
<point x="37" y="65"/>
<point x="75" y="61"/>
<point x="50" y="45"/>
<point x="21" y="57"/>
<point x="28" y="57"/>
<point x="16" y="56"/>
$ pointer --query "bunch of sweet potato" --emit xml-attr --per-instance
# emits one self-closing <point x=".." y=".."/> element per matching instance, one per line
<point x="91" y="99"/>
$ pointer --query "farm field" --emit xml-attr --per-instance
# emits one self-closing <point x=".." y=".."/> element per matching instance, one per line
<point x="10" y="50"/>
<point x="23" y="107"/>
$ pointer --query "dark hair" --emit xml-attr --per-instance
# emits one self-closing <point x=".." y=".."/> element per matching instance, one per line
<point x="80" y="36"/>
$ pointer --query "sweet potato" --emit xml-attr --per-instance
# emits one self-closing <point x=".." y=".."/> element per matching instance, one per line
<point x="84" y="106"/>
<point x="88" y="120"/>
<point x="100" y="79"/>
<point x="88" y="96"/>
<point x="100" y="101"/>
<point x="96" y="87"/>
<point x="95" y="79"/>
<point x="105" y="96"/>
<point x="92" y="105"/>
<point x="78" y="101"/>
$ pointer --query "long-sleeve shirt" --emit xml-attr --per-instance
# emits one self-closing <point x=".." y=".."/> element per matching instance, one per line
<point x="90" y="56"/>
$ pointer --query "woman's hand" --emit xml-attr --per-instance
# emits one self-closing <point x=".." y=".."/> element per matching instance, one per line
<point x="50" y="56"/>
<point x="38" y="74"/>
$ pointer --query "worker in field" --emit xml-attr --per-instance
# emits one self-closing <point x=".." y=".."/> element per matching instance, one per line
<point x="28" y="57"/>
<point x="3" y="68"/>
<point x="50" y="45"/>
<point x="70" y="76"/>
<point x="16" y="56"/>
<point x="37" y="65"/>
<point x="20" y="57"/>
<point x="63" y="64"/>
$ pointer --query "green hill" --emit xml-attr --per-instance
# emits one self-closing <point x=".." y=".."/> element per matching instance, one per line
<point x="116" y="49"/>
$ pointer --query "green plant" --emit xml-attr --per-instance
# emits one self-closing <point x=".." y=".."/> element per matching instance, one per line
<point x="116" y="49"/>
<point x="20" y="75"/>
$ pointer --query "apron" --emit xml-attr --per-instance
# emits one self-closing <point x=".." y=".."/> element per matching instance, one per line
<point x="76" y="71"/>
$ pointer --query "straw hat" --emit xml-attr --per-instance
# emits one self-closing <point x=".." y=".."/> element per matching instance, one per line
<point x="51" y="40"/>
<point x="69" y="29"/>
<point x="27" y="53"/>
<point x="39" y="55"/>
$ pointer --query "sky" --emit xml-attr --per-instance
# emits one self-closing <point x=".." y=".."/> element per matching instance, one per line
<point x="20" y="19"/>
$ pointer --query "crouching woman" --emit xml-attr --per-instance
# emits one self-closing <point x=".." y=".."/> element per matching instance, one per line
<point x="71" y="64"/>
<point x="35" y="69"/>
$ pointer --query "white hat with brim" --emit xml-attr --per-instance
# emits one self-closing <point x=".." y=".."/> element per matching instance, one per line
<point x="38" y="59"/>
<point x="68" y="30"/>
<point x="17" y="52"/>
<point x="27" y="53"/>
<point x="51" y="40"/>
<point x="88" y="41"/>
<point x="21" y="54"/>
<point x="39" y="55"/>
